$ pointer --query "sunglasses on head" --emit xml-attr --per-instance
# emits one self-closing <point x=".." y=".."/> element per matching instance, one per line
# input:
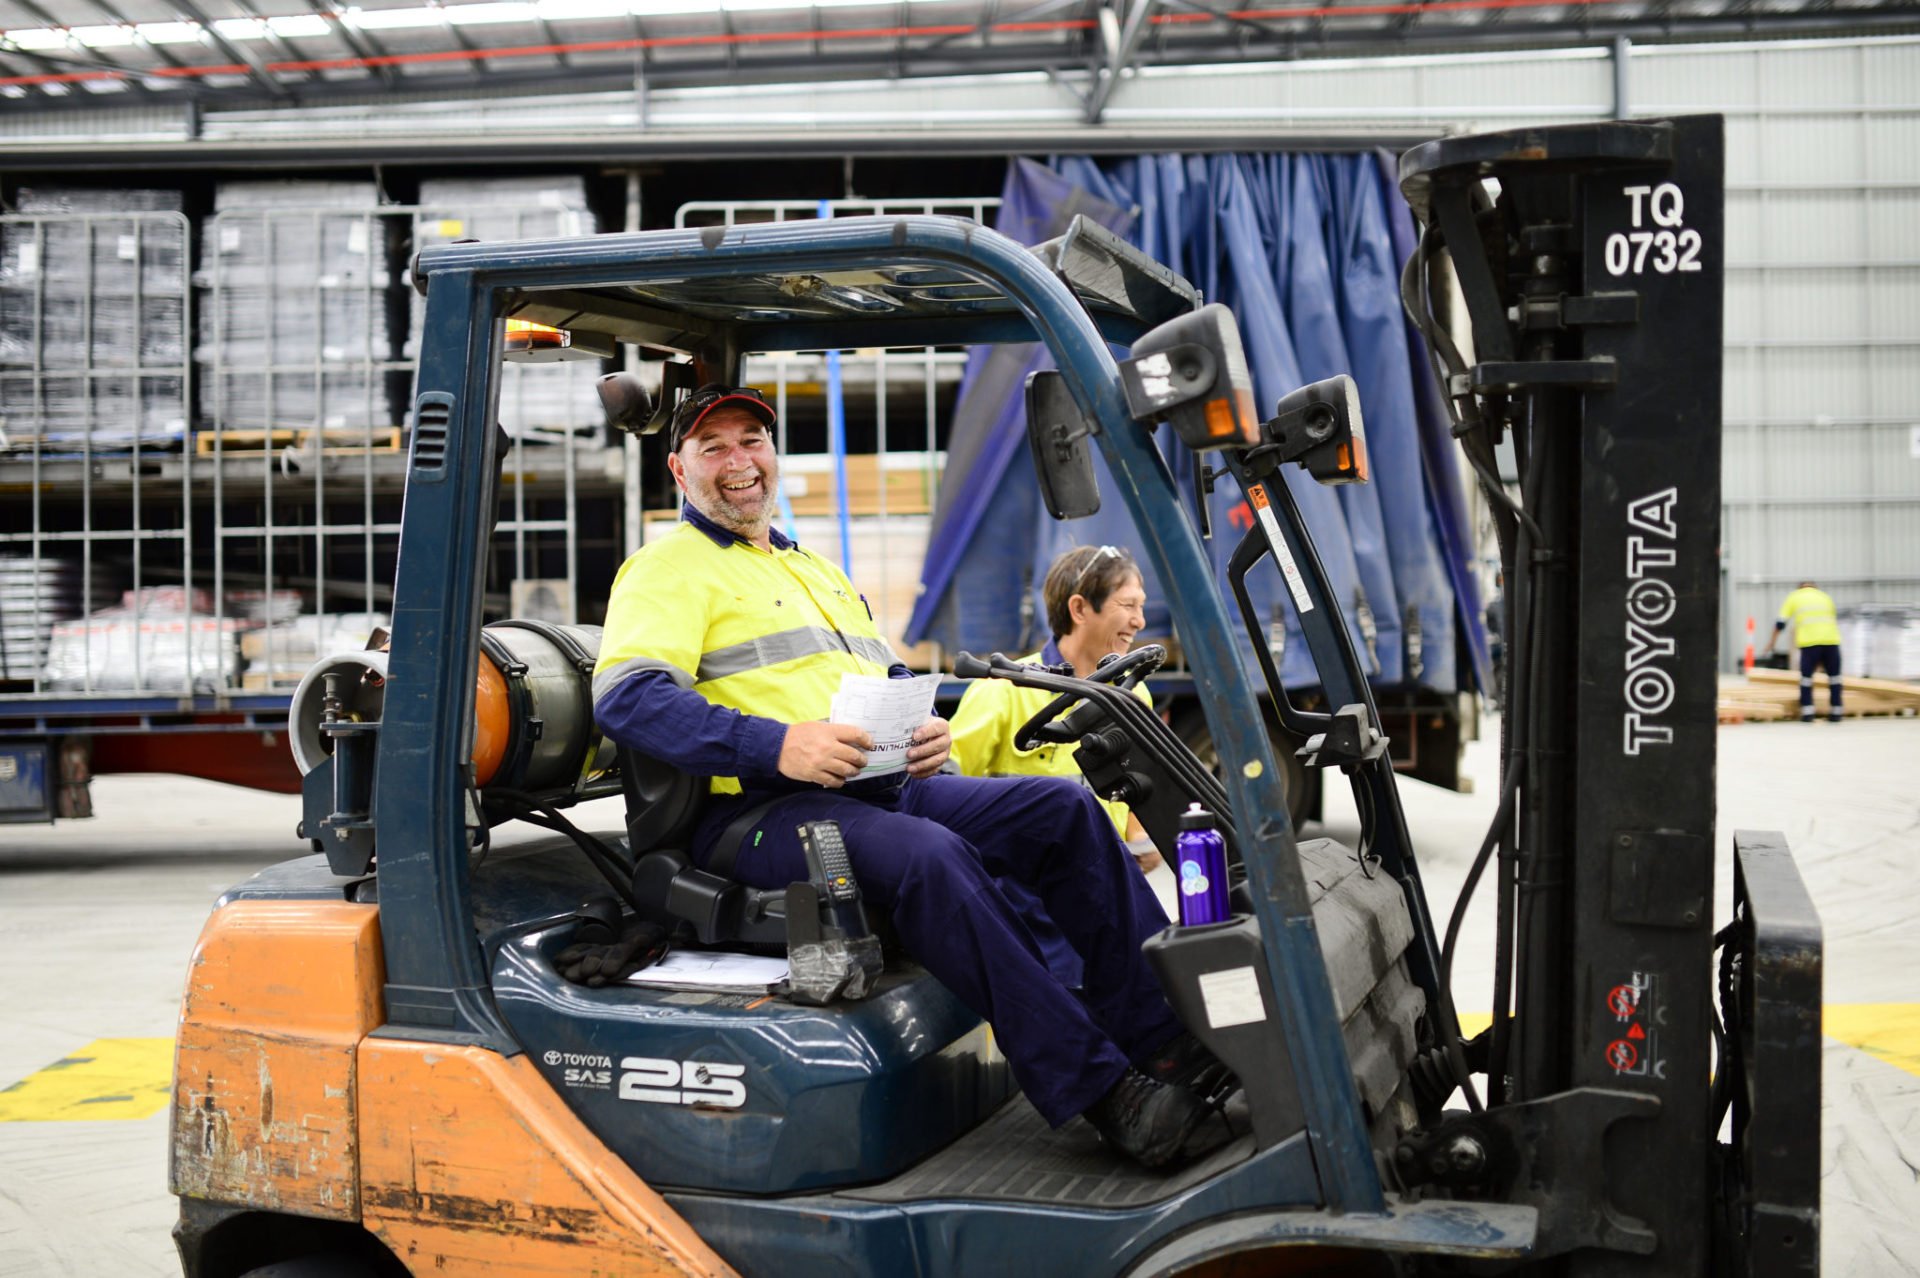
<point x="1098" y="557"/>
<point x="690" y="409"/>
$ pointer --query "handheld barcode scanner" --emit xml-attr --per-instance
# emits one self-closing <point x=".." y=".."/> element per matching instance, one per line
<point x="830" y="951"/>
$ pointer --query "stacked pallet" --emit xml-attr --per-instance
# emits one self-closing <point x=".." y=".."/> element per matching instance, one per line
<point x="160" y="639"/>
<point x="1768" y="695"/>
<point x="93" y="320"/>
<point x="302" y="320"/>
<point x="538" y="402"/>
<point x="911" y="480"/>
<point x="279" y="655"/>
<point x="35" y="593"/>
<point x="1881" y="640"/>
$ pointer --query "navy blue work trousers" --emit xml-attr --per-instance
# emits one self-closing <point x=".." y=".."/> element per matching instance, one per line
<point x="1821" y="656"/>
<point x="929" y="851"/>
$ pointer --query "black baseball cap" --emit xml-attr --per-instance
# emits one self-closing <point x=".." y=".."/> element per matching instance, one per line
<point x="693" y="410"/>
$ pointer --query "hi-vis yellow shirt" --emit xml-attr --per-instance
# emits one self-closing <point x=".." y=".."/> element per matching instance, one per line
<point x="1810" y="612"/>
<point x="983" y="728"/>
<point x="764" y="632"/>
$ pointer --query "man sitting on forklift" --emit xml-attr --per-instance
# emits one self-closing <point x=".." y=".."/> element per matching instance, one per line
<point x="725" y="642"/>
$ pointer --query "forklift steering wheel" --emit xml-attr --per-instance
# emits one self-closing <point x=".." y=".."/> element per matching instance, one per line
<point x="1125" y="672"/>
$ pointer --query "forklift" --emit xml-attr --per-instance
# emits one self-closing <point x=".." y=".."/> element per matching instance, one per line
<point x="382" y="1067"/>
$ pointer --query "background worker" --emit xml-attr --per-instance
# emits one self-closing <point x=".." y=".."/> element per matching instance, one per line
<point x="1816" y="632"/>
<point x="724" y="644"/>
<point x="1096" y="604"/>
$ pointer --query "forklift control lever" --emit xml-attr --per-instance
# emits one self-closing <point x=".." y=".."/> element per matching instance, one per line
<point x="830" y="951"/>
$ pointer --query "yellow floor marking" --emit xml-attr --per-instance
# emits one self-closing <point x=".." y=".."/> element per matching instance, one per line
<point x="108" y="1078"/>
<point x="133" y="1077"/>
<point x="1890" y="1031"/>
<point x="1472" y="1023"/>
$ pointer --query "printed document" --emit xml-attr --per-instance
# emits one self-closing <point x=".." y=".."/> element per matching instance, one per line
<point x="889" y="710"/>
<point x="713" y="970"/>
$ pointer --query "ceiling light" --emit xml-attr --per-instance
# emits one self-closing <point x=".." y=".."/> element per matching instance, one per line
<point x="298" y="25"/>
<point x="655" y="8"/>
<point x="740" y="6"/>
<point x="169" y="32"/>
<point x="102" y="37"/>
<point x="561" y="9"/>
<point x="37" y="38"/>
<point x="392" y="19"/>
<point x="241" y="28"/>
<point x="475" y="14"/>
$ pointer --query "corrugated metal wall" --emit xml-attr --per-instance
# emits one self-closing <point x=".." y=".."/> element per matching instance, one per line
<point x="1823" y="312"/>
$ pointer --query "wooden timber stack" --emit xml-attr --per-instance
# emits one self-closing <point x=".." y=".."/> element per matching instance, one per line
<point x="1768" y="695"/>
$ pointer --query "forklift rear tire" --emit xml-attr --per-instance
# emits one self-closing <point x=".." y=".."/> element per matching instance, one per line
<point x="1190" y="725"/>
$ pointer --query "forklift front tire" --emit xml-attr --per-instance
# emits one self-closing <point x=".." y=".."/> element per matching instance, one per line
<point x="315" y="1267"/>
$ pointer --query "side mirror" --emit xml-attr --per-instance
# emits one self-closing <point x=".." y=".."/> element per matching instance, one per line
<point x="625" y="401"/>
<point x="1320" y="427"/>
<point x="1057" y="435"/>
<point x="1192" y="371"/>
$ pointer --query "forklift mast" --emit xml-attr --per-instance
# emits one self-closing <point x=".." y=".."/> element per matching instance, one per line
<point x="1589" y="260"/>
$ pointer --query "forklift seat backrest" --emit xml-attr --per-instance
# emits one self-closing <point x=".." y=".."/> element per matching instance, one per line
<point x="663" y="805"/>
<point x="662" y="802"/>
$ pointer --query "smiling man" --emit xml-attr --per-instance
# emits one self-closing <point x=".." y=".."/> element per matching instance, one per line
<point x="725" y="642"/>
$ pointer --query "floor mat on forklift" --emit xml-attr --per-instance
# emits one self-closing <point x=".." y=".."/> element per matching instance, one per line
<point x="1014" y="1156"/>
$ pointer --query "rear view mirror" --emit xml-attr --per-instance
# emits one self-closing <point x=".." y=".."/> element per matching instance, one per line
<point x="1057" y="435"/>
<point x="625" y="402"/>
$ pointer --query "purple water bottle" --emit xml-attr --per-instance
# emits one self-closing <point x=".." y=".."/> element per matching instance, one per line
<point x="1201" y="858"/>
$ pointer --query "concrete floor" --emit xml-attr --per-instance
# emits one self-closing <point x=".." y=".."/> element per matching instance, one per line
<point x="97" y="919"/>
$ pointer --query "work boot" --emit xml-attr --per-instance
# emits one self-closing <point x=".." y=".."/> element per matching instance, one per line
<point x="1144" y="1119"/>
<point x="1189" y="1063"/>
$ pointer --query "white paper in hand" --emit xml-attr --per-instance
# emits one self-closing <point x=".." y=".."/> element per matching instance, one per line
<point x="888" y="710"/>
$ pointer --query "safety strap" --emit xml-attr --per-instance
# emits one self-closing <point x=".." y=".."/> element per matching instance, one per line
<point x="726" y="848"/>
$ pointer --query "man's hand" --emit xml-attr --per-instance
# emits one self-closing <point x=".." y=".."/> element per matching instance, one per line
<point x="932" y="743"/>
<point x="824" y="753"/>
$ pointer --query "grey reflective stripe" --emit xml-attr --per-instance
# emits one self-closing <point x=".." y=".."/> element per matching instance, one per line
<point x="789" y="645"/>
<point x="878" y="651"/>
<point x="606" y="680"/>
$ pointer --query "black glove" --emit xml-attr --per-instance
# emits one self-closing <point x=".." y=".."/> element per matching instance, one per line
<point x="597" y="964"/>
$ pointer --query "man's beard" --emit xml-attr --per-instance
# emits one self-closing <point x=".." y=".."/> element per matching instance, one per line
<point x="711" y="502"/>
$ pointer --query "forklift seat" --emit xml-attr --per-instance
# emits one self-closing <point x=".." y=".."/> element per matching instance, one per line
<point x="663" y="807"/>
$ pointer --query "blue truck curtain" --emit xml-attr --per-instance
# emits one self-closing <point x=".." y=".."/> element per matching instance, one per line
<point x="1306" y="250"/>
